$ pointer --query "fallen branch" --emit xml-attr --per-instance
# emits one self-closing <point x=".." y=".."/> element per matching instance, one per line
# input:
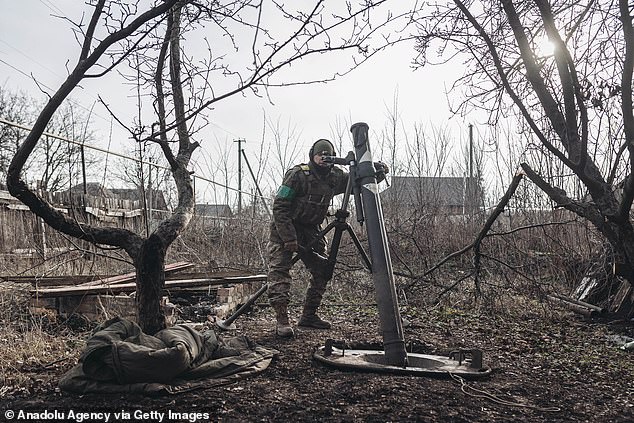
<point x="598" y="309"/>
<point x="573" y="306"/>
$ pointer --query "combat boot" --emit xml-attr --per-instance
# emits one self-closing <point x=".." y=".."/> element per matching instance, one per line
<point x="309" y="316"/>
<point x="282" y="327"/>
<point x="313" y="321"/>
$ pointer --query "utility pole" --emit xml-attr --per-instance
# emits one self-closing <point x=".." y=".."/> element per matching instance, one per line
<point x="257" y="186"/>
<point x="83" y="171"/>
<point x="470" y="151"/>
<point x="194" y="190"/>
<point x="240" y="141"/>
<point x="470" y="185"/>
<point x="149" y="192"/>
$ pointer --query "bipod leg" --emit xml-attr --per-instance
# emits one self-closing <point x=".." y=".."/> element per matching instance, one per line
<point x="334" y="250"/>
<point x="364" y="255"/>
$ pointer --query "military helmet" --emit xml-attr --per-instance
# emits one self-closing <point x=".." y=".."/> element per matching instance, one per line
<point x="321" y="146"/>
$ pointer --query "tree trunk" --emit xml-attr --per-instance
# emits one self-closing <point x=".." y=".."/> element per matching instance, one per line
<point x="150" y="281"/>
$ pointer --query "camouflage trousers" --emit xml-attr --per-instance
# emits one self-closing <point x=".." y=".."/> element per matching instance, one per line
<point x="280" y="263"/>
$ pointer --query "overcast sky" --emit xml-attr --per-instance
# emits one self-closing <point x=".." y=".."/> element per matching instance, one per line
<point x="32" y="41"/>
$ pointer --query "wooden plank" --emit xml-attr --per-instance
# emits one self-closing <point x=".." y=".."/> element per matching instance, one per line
<point x="624" y="299"/>
<point x="131" y="287"/>
<point x="51" y="280"/>
<point x="90" y="280"/>
<point x="111" y="280"/>
<point x="205" y="275"/>
<point x="121" y="279"/>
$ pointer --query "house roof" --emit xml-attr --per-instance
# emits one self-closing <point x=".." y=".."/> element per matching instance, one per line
<point x="433" y="191"/>
<point x="92" y="188"/>
<point x="213" y="210"/>
<point x="134" y="194"/>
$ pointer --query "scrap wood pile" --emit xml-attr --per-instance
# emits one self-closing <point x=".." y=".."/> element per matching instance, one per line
<point x="126" y="283"/>
<point x="98" y="298"/>
<point x="600" y="292"/>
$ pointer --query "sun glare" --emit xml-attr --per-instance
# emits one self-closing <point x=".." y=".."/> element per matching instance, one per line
<point x="545" y="47"/>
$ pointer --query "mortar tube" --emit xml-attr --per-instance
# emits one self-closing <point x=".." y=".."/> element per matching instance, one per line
<point x="382" y="273"/>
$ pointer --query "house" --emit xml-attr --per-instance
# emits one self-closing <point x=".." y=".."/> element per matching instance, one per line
<point x="135" y="195"/>
<point x="447" y="195"/>
<point x="213" y="210"/>
<point x="92" y="188"/>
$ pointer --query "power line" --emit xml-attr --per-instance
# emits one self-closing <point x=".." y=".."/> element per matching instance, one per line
<point x="43" y="85"/>
<point x="50" y="6"/>
<point x="23" y="73"/>
<point x="31" y="59"/>
<point x="48" y="91"/>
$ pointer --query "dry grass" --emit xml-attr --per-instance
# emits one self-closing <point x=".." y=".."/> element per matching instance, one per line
<point x="32" y="346"/>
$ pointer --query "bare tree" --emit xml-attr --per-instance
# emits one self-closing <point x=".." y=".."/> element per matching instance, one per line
<point x="184" y="89"/>
<point x="14" y="107"/>
<point x="565" y="70"/>
<point x="340" y="133"/>
<point x="285" y="143"/>
<point x="55" y="163"/>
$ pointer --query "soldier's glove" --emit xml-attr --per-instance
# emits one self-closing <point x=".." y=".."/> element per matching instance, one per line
<point x="381" y="170"/>
<point x="291" y="246"/>
<point x="382" y="167"/>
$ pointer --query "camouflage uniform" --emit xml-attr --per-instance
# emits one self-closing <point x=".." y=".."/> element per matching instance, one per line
<point x="299" y="208"/>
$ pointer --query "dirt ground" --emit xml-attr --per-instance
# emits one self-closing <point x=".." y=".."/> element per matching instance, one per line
<point x="547" y="365"/>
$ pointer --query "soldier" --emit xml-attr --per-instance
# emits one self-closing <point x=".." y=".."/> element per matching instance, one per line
<point x="299" y="208"/>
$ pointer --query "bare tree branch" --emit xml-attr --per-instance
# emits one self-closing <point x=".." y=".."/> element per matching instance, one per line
<point x="475" y="245"/>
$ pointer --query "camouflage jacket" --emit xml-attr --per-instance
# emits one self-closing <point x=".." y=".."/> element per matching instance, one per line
<point x="303" y="199"/>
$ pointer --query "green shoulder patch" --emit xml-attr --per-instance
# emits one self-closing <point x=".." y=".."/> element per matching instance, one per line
<point x="285" y="193"/>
